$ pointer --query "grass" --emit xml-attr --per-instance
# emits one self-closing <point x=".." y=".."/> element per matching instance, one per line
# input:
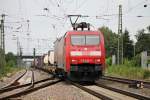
<point x="8" y="70"/>
<point x="128" y="71"/>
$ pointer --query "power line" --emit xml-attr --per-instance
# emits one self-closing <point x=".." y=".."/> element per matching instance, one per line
<point x="135" y="7"/>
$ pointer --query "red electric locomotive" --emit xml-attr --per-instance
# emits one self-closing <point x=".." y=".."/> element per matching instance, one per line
<point x="80" y="54"/>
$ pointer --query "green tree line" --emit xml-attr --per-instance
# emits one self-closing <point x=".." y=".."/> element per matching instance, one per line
<point x="8" y="63"/>
<point x="111" y="42"/>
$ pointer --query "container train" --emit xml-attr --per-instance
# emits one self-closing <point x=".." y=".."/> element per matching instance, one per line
<point x="79" y="55"/>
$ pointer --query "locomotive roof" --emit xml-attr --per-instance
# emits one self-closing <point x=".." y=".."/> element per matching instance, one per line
<point x="79" y="31"/>
<point x="76" y="32"/>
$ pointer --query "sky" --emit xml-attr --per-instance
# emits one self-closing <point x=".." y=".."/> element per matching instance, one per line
<point x="37" y="23"/>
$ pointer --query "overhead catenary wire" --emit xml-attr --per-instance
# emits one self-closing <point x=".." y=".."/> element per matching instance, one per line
<point x="60" y="19"/>
<point x="135" y="6"/>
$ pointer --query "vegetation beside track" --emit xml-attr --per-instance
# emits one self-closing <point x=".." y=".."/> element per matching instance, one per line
<point x="131" y="51"/>
<point x="127" y="70"/>
<point x="9" y="65"/>
<point x="7" y="71"/>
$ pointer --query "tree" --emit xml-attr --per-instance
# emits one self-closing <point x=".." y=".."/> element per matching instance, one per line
<point x="110" y="41"/>
<point x="143" y="41"/>
<point x="148" y="28"/>
<point x="11" y="59"/>
<point x="128" y="49"/>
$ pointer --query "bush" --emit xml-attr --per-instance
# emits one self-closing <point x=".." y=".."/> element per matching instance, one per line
<point x="128" y="63"/>
<point x="147" y="74"/>
<point x="11" y="63"/>
<point x="8" y="69"/>
<point x="148" y="61"/>
<point x="8" y="66"/>
<point x="10" y="58"/>
<point x="128" y="72"/>
<point x="109" y="61"/>
<point x="137" y="60"/>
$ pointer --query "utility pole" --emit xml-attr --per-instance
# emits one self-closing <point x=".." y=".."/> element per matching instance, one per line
<point x="34" y="57"/>
<point x="2" y="33"/>
<point x="28" y="35"/>
<point x="20" y="56"/>
<point x="0" y="37"/>
<point x="18" y="52"/>
<point x="120" y="36"/>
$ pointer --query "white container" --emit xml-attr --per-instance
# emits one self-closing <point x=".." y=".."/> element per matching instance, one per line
<point x="51" y="57"/>
<point x="46" y="59"/>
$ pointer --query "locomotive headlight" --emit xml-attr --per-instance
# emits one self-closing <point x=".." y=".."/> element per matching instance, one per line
<point x="73" y="60"/>
<point x="76" y="53"/>
<point x="98" y="60"/>
<point x="95" y="53"/>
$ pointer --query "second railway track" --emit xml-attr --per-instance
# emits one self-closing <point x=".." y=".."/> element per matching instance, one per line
<point x="111" y="94"/>
<point x="127" y="93"/>
<point x="137" y="83"/>
<point x="19" y="90"/>
<point x="15" y="81"/>
<point x="108" y="93"/>
<point x="92" y="92"/>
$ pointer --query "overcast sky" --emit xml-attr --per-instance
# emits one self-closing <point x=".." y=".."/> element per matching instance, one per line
<point x="46" y="24"/>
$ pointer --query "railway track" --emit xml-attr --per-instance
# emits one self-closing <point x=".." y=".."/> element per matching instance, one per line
<point x="136" y="83"/>
<point x="109" y="93"/>
<point x="92" y="92"/>
<point x="29" y="77"/>
<point x="122" y="94"/>
<point x="127" y="93"/>
<point x="15" y="81"/>
<point x="98" y="95"/>
<point x="19" y="90"/>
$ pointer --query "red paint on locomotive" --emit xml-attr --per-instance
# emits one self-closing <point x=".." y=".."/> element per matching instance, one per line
<point x="80" y="48"/>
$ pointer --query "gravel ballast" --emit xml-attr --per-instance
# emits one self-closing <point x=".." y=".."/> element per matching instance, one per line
<point x="59" y="91"/>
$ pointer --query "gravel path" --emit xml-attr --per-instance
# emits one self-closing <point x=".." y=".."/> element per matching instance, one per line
<point x="59" y="91"/>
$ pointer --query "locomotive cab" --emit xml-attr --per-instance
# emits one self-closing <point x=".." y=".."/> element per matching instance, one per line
<point x="86" y="58"/>
<point x="80" y="54"/>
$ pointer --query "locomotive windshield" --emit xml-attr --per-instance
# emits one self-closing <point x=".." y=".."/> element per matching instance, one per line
<point x="85" y="39"/>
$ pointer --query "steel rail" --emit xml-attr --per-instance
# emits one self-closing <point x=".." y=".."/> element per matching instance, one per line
<point x="28" y="90"/>
<point x="17" y="86"/>
<point x="131" y="94"/>
<point x="24" y="85"/>
<point x="32" y="80"/>
<point x="14" y="81"/>
<point x="127" y="81"/>
<point x="96" y="94"/>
